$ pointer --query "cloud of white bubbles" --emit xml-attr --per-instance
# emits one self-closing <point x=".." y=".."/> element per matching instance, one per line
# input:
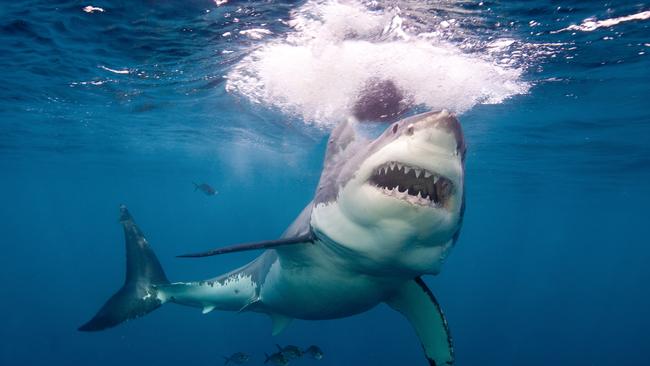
<point x="316" y="71"/>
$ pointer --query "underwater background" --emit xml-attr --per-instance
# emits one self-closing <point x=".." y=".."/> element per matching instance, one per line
<point x="133" y="101"/>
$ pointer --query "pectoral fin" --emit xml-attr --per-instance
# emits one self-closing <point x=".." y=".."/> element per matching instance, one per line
<point x="303" y="239"/>
<point x="416" y="302"/>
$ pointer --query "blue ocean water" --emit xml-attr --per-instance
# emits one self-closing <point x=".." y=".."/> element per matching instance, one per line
<point x="132" y="102"/>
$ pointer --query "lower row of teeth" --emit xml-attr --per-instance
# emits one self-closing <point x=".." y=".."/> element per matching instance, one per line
<point x="418" y="199"/>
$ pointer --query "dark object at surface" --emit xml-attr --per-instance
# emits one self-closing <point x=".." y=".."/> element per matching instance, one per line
<point x="380" y="100"/>
<point x="205" y="188"/>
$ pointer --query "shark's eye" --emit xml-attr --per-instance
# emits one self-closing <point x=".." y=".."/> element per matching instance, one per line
<point x="409" y="130"/>
<point x="395" y="127"/>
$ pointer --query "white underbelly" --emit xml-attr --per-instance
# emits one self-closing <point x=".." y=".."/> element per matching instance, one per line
<point x="316" y="292"/>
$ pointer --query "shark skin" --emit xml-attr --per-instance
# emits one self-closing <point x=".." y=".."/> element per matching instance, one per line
<point x="385" y="212"/>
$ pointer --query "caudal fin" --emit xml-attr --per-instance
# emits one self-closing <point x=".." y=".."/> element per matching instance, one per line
<point x="138" y="295"/>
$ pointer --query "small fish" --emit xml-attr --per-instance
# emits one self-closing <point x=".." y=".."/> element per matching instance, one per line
<point x="205" y="188"/>
<point x="238" y="358"/>
<point x="290" y="352"/>
<point x="277" y="359"/>
<point x="315" y="352"/>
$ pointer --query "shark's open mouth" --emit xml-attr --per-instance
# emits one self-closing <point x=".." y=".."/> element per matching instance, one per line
<point x="414" y="184"/>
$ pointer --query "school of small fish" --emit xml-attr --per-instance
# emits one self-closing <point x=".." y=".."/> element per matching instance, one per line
<point x="280" y="358"/>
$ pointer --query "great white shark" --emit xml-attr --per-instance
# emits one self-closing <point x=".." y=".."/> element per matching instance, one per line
<point x="386" y="212"/>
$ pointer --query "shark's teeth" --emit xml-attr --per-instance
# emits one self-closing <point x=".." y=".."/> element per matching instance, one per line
<point x="419" y="187"/>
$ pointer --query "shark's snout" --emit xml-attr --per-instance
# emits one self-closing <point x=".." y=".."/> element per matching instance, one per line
<point x="442" y="121"/>
<point x="399" y="197"/>
<point x="410" y="171"/>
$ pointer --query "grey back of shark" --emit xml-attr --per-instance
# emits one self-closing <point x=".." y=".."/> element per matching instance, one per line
<point x="385" y="212"/>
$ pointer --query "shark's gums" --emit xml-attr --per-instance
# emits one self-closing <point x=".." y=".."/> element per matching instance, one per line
<point x="385" y="212"/>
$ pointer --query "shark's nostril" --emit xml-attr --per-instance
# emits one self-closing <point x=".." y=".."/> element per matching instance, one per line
<point x="409" y="130"/>
<point x="395" y="127"/>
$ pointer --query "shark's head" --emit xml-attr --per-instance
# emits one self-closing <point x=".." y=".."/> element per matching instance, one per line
<point x="394" y="204"/>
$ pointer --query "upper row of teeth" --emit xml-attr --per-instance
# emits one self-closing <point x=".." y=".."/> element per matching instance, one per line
<point x="407" y="169"/>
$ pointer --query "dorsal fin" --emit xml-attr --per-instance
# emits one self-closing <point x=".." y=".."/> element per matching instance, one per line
<point x="303" y="239"/>
<point x="341" y="144"/>
<point x="340" y="139"/>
